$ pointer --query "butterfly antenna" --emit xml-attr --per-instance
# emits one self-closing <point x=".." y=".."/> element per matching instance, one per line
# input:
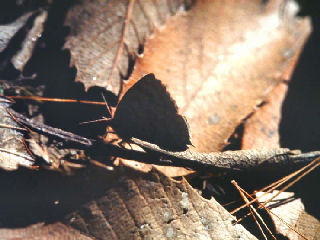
<point x="107" y="105"/>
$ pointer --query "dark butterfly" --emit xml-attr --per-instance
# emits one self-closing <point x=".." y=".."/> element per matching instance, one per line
<point x="147" y="112"/>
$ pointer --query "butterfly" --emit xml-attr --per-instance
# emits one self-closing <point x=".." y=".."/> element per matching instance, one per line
<point x="148" y="112"/>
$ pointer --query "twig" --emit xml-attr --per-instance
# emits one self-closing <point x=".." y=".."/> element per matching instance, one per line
<point x="229" y="160"/>
<point x="281" y="220"/>
<point x="43" y="128"/>
<point x="233" y="160"/>
<point x="12" y="127"/>
<point x="253" y="211"/>
<point x="263" y="206"/>
<point x="315" y="163"/>
<point x="59" y="100"/>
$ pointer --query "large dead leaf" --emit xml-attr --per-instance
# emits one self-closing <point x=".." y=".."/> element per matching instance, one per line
<point x="107" y="35"/>
<point x="220" y="59"/>
<point x="141" y="206"/>
<point x="151" y="205"/>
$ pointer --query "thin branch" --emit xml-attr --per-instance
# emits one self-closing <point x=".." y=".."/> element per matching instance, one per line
<point x="315" y="163"/>
<point x="37" y="98"/>
<point x="253" y="211"/>
<point x="12" y="127"/>
<point x="281" y="220"/>
<point x="232" y="160"/>
<point x="262" y="206"/>
<point x="43" y="128"/>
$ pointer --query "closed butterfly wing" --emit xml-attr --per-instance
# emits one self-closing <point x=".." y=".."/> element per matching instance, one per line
<point x="148" y="112"/>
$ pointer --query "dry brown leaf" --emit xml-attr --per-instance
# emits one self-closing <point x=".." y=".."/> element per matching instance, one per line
<point x="13" y="152"/>
<point x="150" y="205"/>
<point x="43" y="231"/>
<point x="105" y="35"/>
<point x="167" y="171"/>
<point x="291" y="211"/>
<point x="220" y="59"/>
<point x="23" y="56"/>
<point x="9" y="30"/>
<point x="18" y="39"/>
<point x="262" y="129"/>
<point x="125" y="204"/>
<point x="174" y="171"/>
